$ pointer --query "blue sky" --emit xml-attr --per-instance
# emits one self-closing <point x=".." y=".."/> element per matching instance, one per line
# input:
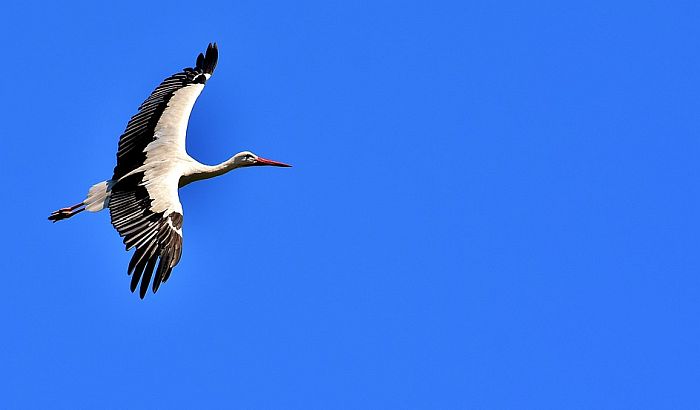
<point x="492" y="205"/>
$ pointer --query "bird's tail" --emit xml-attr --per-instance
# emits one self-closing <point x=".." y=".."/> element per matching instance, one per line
<point x="97" y="200"/>
<point x="65" y="213"/>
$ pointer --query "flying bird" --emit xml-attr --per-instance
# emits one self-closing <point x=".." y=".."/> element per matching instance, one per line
<point x="152" y="164"/>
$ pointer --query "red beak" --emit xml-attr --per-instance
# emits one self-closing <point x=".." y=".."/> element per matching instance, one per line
<point x="264" y="161"/>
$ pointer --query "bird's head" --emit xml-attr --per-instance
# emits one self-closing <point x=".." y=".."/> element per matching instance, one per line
<point x="248" y="159"/>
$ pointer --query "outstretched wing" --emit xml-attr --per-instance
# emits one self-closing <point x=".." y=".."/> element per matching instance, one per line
<point x="148" y="215"/>
<point x="162" y="118"/>
<point x="144" y="205"/>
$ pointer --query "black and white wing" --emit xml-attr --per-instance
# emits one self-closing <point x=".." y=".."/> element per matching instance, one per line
<point x="155" y="232"/>
<point x="162" y="118"/>
<point x="144" y="205"/>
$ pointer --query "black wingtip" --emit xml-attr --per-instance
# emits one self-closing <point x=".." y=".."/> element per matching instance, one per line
<point x="207" y="62"/>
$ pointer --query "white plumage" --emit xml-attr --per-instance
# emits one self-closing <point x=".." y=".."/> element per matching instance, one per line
<point x="152" y="163"/>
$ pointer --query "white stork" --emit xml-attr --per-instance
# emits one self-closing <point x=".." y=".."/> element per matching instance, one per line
<point x="152" y="163"/>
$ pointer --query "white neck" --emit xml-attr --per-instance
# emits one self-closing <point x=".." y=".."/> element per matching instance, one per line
<point x="200" y="171"/>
